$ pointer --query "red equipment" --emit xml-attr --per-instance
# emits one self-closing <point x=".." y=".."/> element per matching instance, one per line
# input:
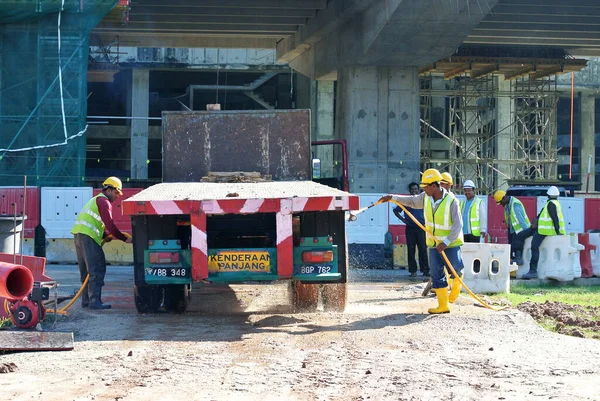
<point x="24" y="301"/>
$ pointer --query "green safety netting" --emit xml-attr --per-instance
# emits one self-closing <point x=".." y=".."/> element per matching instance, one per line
<point x="43" y="108"/>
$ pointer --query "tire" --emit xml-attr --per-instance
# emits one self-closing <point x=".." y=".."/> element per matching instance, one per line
<point x="335" y="297"/>
<point x="305" y="297"/>
<point x="147" y="299"/>
<point x="176" y="298"/>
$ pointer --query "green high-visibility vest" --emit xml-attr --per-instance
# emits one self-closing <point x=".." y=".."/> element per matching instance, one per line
<point x="545" y="224"/>
<point x="89" y="221"/>
<point x="440" y="222"/>
<point x="511" y="217"/>
<point x="473" y="215"/>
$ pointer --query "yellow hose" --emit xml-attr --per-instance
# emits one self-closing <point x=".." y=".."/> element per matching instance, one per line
<point x="448" y="264"/>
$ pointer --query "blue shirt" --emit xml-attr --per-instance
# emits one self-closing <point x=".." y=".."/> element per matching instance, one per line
<point x="418" y="213"/>
<point x="466" y="218"/>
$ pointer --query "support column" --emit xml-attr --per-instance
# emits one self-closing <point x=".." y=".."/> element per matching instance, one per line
<point x="504" y="128"/>
<point x="378" y="115"/>
<point x="324" y="111"/>
<point x="140" y="105"/>
<point x="588" y="147"/>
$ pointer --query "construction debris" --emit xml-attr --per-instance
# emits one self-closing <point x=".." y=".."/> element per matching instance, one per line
<point x="236" y="176"/>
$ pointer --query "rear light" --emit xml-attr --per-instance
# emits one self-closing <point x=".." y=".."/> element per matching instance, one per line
<point x="317" y="256"/>
<point x="163" y="257"/>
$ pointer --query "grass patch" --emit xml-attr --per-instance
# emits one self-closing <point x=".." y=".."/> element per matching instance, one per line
<point x="568" y="294"/>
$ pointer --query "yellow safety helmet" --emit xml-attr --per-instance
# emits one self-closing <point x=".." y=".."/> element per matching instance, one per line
<point x="115" y="183"/>
<point x="499" y="195"/>
<point x="430" y="176"/>
<point x="447" y="178"/>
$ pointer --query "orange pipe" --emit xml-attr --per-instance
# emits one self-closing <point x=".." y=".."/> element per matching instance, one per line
<point x="16" y="281"/>
<point x="572" y="112"/>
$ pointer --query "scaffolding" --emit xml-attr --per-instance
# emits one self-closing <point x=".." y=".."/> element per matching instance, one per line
<point x="466" y="143"/>
<point x="43" y="90"/>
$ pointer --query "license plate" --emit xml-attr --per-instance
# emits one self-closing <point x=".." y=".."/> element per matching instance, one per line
<point x="237" y="261"/>
<point x="168" y="271"/>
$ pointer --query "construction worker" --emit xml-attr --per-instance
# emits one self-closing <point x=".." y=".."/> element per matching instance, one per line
<point x="93" y="224"/>
<point x="415" y="237"/>
<point x="447" y="181"/>
<point x="474" y="215"/>
<point x="443" y="221"/>
<point x="516" y="220"/>
<point x="549" y="222"/>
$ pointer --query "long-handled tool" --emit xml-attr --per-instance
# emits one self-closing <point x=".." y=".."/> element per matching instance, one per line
<point x="352" y="215"/>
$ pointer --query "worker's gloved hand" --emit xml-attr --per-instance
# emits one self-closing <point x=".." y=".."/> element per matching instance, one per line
<point x="106" y="239"/>
<point x="385" y="198"/>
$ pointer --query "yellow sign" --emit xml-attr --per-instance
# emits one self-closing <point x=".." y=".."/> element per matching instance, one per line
<point x="237" y="261"/>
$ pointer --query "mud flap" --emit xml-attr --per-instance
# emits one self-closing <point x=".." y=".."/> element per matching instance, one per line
<point x="305" y="297"/>
<point x="335" y="297"/>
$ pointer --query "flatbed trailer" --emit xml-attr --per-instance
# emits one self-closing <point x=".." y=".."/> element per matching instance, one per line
<point x="189" y="232"/>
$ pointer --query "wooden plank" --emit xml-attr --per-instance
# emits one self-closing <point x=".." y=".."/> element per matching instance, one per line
<point x="30" y="340"/>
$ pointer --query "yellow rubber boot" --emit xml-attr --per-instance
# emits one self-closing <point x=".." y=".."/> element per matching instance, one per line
<point x="442" y="296"/>
<point x="455" y="291"/>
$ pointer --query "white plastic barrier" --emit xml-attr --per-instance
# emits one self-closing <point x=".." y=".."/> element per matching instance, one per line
<point x="595" y="254"/>
<point x="370" y="226"/>
<point x="559" y="258"/>
<point x="487" y="267"/>
<point x="573" y="212"/>
<point x="60" y="207"/>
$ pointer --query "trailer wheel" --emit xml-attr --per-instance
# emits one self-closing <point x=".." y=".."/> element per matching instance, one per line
<point x="335" y="297"/>
<point x="305" y="297"/>
<point x="176" y="298"/>
<point x="147" y="299"/>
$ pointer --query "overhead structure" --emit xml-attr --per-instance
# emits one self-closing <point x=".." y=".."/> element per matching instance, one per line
<point x="461" y="131"/>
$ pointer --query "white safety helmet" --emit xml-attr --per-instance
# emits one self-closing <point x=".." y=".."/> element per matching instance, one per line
<point x="469" y="184"/>
<point x="553" y="192"/>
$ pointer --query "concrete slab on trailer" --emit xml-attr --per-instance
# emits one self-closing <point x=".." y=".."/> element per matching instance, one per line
<point x="31" y="340"/>
<point x="204" y="191"/>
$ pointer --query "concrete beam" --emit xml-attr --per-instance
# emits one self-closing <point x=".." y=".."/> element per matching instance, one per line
<point x="310" y="4"/>
<point x="158" y="28"/>
<point x="225" y="11"/>
<point x="209" y="20"/>
<point x="408" y="33"/>
<point x="188" y="40"/>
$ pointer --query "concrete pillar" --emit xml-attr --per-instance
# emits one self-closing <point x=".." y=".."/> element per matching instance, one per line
<point x="378" y="114"/>
<point x="139" y="124"/>
<point x="504" y="129"/>
<point x="324" y="111"/>
<point x="588" y="147"/>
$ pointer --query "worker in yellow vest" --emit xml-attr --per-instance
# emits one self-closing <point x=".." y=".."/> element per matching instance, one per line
<point x="443" y="220"/>
<point x="474" y="215"/>
<point x="93" y="224"/>
<point x="549" y="222"/>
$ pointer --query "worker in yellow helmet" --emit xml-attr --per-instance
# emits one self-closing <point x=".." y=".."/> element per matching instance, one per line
<point x="93" y="224"/>
<point x="447" y="181"/>
<point x="550" y="221"/>
<point x="516" y="220"/>
<point x="443" y="220"/>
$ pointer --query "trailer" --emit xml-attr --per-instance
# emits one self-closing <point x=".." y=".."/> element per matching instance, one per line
<point x="186" y="231"/>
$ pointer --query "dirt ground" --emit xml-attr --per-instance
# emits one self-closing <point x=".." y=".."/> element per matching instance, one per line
<point x="244" y="343"/>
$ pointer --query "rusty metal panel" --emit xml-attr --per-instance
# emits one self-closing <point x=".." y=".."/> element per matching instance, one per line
<point x="275" y="142"/>
<point x="9" y="196"/>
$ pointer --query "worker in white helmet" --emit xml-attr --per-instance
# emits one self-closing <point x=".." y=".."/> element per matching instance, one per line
<point x="549" y="222"/>
<point x="474" y="215"/>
